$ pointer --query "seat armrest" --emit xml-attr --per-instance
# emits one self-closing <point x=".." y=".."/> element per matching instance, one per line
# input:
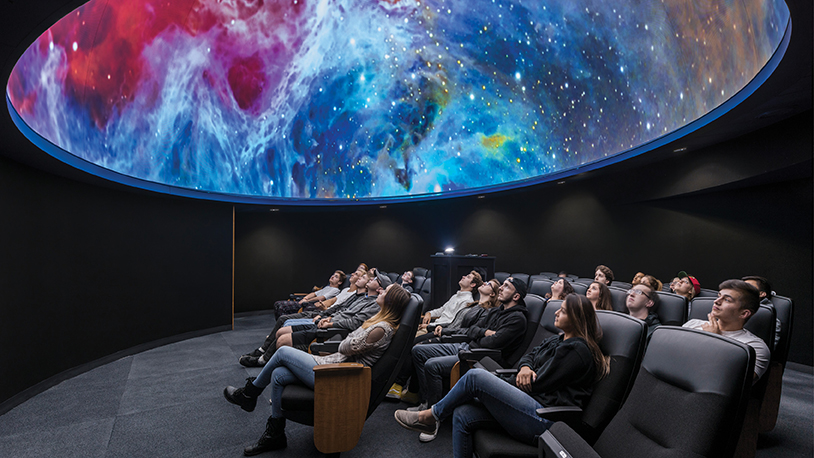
<point x="560" y="441"/>
<point x="338" y="367"/>
<point x="568" y="414"/>
<point x="455" y="338"/>
<point x="489" y="364"/>
<point x="319" y="348"/>
<point x="325" y="334"/>
<point x="338" y="419"/>
<point x="509" y="371"/>
<point x="477" y="354"/>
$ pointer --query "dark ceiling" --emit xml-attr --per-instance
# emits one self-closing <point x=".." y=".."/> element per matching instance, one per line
<point x="786" y="93"/>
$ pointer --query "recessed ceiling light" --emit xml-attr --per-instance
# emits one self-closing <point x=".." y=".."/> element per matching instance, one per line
<point x="678" y="150"/>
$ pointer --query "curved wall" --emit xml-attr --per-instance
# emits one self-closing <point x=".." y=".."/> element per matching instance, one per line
<point x="87" y="272"/>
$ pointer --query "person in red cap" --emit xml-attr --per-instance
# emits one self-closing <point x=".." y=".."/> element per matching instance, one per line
<point x="688" y="286"/>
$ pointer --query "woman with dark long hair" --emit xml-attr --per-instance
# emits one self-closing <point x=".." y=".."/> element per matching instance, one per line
<point x="364" y="345"/>
<point x="600" y="296"/>
<point x="560" y="289"/>
<point x="561" y="371"/>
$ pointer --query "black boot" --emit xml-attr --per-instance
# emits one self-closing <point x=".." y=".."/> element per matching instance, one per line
<point x="273" y="438"/>
<point x="256" y="353"/>
<point x="250" y="361"/>
<point x="245" y="397"/>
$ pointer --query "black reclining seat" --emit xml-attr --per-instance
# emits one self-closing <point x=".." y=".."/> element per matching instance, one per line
<point x="624" y="341"/>
<point x="579" y="288"/>
<point x="771" y="402"/>
<point x="763" y="325"/>
<point x="502" y="276"/>
<point x="672" y="309"/>
<point x="540" y="286"/>
<point x="535" y="306"/>
<point x="619" y="299"/>
<point x="688" y="401"/>
<point x="336" y="428"/>
<point x="521" y="276"/>
<point x="426" y="295"/>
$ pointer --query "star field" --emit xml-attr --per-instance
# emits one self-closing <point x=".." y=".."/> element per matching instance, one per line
<point x="339" y="99"/>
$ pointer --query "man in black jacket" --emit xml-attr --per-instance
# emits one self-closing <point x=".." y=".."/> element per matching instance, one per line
<point x="501" y="328"/>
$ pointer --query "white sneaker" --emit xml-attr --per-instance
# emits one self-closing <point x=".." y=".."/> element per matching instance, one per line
<point x="429" y="437"/>
<point x="418" y="408"/>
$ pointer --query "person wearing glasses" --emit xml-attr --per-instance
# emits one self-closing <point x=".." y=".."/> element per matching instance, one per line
<point x="642" y="303"/>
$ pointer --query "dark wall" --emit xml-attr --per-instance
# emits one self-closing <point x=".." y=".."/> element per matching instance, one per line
<point x="87" y="271"/>
<point x="743" y="207"/>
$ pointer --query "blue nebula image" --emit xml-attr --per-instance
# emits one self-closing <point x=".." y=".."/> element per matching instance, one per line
<point x="347" y="100"/>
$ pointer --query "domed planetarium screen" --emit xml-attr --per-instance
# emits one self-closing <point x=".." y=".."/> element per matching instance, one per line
<point x="337" y="101"/>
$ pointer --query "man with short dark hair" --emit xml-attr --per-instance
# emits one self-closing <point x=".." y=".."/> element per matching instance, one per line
<point x="687" y="286"/>
<point x="603" y="274"/>
<point x="642" y="303"/>
<point x="444" y="314"/>
<point x="501" y="328"/>
<point x="765" y="290"/>
<point x="737" y="301"/>
<point x="311" y="299"/>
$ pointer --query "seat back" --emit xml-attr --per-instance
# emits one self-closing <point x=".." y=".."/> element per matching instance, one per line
<point x="618" y="299"/>
<point x="699" y="308"/>
<point x="418" y="282"/>
<point x="548" y="275"/>
<point x="784" y="308"/>
<point x="426" y="294"/>
<point x="502" y="276"/>
<point x="547" y="328"/>
<point x="700" y="381"/>
<point x="705" y="292"/>
<point x="420" y="271"/>
<point x="621" y="285"/>
<point x="623" y="340"/>
<point x="579" y="288"/>
<point x="584" y="280"/>
<point x="394" y="276"/>
<point x="522" y="276"/>
<point x="672" y="309"/>
<point x="541" y="286"/>
<point x="384" y="372"/>
<point x="535" y="306"/>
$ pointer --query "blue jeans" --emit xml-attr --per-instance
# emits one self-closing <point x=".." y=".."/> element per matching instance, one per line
<point x="514" y="408"/>
<point x="298" y="321"/>
<point x="287" y="366"/>
<point x="432" y="363"/>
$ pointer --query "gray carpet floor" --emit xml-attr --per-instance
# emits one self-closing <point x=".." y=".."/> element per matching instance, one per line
<point x="167" y="402"/>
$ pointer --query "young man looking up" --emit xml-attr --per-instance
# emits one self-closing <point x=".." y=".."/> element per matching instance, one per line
<point x="446" y="313"/>
<point x="642" y="303"/>
<point x="501" y="328"/>
<point x="737" y="301"/>
<point x="603" y="274"/>
<point x="307" y="303"/>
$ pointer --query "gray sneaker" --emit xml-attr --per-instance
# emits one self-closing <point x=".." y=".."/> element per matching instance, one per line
<point x="410" y="421"/>
<point x="418" y="408"/>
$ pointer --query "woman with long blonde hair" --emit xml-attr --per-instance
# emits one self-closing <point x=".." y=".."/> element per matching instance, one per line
<point x="364" y="345"/>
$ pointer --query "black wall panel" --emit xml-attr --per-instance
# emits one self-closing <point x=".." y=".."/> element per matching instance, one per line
<point x="87" y="271"/>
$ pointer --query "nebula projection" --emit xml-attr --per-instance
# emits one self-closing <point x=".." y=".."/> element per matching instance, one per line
<point x="351" y="100"/>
